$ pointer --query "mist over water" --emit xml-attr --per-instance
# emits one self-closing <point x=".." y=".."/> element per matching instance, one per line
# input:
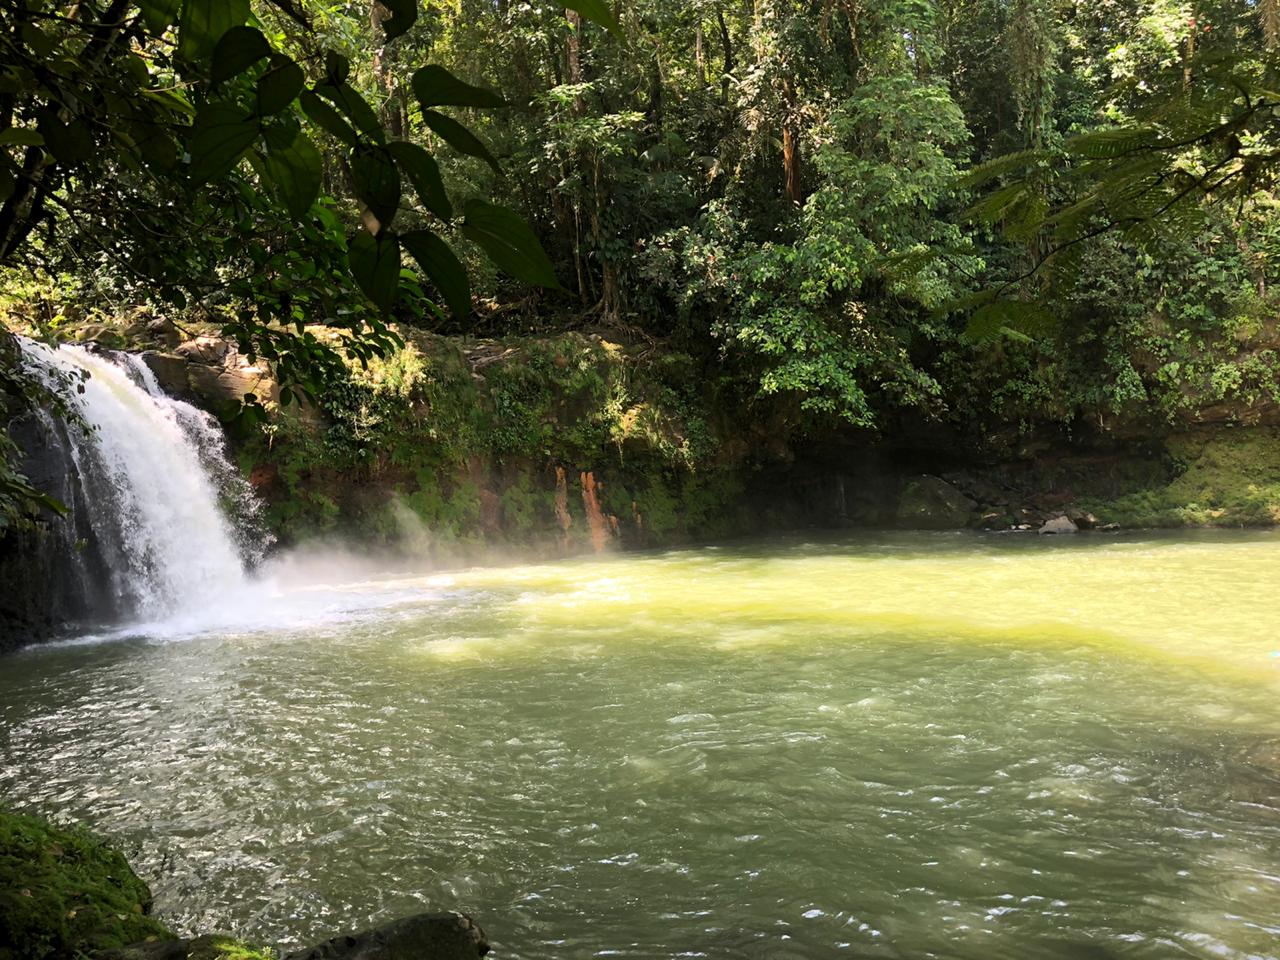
<point x="900" y="746"/>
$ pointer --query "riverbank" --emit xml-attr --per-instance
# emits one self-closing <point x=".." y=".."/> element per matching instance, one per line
<point x="453" y="448"/>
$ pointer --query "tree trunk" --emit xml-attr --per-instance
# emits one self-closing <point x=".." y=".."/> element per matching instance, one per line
<point x="726" y="46"/>
<point x="790" y="144"/>
<point x="392" y="108"/>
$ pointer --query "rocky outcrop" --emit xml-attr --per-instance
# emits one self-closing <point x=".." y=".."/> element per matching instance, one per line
<point x="213" y="373"/>
<point x="64" y="893"/>
<point x="931" y="503"/>
<point x="170" y="370"/>
<point x="424" y="936"/>
<point x="1058" y="525"/>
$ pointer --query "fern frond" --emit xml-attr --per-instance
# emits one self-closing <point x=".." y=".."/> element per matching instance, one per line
<point x="1019" y="319"/>
<point x="986" y="172"/>
<point x="995" y="206"/>
<point x="1110" y="144"/>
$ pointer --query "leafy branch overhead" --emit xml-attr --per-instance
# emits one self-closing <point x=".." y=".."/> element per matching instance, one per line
<point x="1212" y="139"/>
<point x="202" y="106"/>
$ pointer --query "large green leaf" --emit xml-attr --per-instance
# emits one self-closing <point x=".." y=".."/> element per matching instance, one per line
<point x="221" y="136"/>
<point x="21" y="137"/>
<point x="375" y="264"/>
<point x="509" y="242"/>
<point x="158" y="14"/>
<point x="434" y="86"/>
<point x="443" y="269"/>
<point x="377" y="183"/>
<point x="597" y="11"/>
<point x="403" y="15"/>
<point x="357" y="110"/>
<point x="203" y="24"/>
<point x="295" y="172"/>
<point x="279" y="86"/>
<point x="336" y="67"/>
<point x="458" y="137"/>
<point x="70" y="142"/>
<point x="327" y="118"/>
<point x="1109" y="144"/>
<point x="424" y="173"/>
<point x="238" y="50"/>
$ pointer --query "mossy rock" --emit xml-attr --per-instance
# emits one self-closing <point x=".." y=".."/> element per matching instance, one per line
<point x="211" y="946"/>
<point x="1226" y="478"/>
<point x="64" y="893"/>
<point x="931" y="503"/>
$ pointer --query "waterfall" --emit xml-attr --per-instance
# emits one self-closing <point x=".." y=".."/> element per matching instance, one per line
<point x="157" y="514"/>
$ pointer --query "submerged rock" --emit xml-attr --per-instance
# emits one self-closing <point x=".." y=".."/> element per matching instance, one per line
<point x="930" y="503"/>
<point x="1059" y="525"/>
<point x="424" y="936"/>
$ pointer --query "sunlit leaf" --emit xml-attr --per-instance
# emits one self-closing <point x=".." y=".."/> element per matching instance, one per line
<point x="597" y="11"/>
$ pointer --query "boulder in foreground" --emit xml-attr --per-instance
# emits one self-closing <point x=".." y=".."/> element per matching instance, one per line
<point x="424" y="936"/>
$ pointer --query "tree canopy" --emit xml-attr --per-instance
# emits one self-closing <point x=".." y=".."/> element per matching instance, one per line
<point x="984" y="212"/>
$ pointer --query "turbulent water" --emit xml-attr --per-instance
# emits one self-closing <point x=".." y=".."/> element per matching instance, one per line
<point x="154" y="501"/>
<point x="907" y="747"/>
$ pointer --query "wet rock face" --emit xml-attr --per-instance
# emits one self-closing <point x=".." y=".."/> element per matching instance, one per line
<point x="931" y="503"/>
<point x="424" y="936"/>
<point x="170" y="371"/>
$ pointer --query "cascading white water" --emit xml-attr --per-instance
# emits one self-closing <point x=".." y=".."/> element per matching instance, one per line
<point x="154" y="483"/>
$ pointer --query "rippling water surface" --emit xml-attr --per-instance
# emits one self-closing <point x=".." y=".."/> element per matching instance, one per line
<point x="907" y="747"/>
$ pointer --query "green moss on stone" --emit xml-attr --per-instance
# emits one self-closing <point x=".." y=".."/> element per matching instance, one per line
<point x="1227" y="479"/>
<point x="65" y="893"/>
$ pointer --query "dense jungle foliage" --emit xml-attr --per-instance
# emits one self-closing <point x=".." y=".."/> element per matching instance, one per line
<point x="989" y="214"/>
